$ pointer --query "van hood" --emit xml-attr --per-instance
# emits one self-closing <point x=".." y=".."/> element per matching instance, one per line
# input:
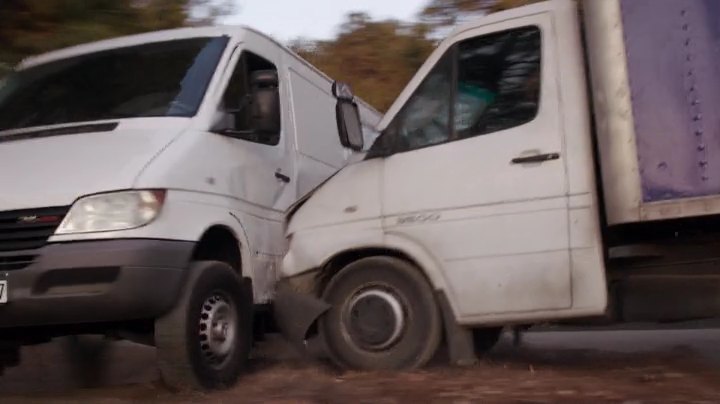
<point x="352" y="195"/>
<point x="54" y="166"/>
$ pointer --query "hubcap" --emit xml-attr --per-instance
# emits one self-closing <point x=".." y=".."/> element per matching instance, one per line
<point x="375" y="319"/>
<point x="218" y="327"/>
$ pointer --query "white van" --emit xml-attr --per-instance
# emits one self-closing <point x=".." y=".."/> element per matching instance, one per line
<point x="143" y="186"/>
<point x="551" y="163"/>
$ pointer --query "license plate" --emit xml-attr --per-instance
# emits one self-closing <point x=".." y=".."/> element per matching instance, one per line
<point x="3" y="292"/>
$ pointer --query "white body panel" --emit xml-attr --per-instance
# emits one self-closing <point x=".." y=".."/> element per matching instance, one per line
<point x="212" y="180"/>
<point x="505" y="243"/>
<point x="493" y="218"/>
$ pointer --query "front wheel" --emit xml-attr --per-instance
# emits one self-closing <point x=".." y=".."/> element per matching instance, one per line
<point x="383" y="316"/>
<point x="204" y="342"/>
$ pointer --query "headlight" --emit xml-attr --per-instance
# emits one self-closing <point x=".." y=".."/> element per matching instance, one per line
<point x="112" y="211"/>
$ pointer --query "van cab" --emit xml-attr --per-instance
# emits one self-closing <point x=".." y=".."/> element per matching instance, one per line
<point x="143" y="187"/>
<point x="547" y="164"/>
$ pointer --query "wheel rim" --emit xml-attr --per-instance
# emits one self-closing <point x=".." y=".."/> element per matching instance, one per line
<point x="218" y="328"/>
<point x="375" y="319"/>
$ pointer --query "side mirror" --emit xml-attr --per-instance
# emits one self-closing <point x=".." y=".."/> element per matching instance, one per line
<point x="265" y="104"/>
<point x="348" y="117"/>
<point x="349" y="126"/>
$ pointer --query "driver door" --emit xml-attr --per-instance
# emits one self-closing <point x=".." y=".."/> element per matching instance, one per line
<point x="478" y="175"/>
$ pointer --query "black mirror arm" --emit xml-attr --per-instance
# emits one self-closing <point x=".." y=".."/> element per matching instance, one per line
<point x="237" y="134"/>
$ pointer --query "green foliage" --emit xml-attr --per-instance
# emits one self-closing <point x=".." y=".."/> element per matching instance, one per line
<point x="31" y="27"/>
<point x="376" y="57"/>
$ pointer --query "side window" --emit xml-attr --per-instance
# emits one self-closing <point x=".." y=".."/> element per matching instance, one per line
<point x="424" y="120"/>
<point x="480" y="86"/>
<point x="498" y="84"/>
<point x="252" y="101"/>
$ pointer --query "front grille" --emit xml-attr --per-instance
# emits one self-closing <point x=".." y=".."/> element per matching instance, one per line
<point x="15" y="262"/>
<point x="24" y="231"/>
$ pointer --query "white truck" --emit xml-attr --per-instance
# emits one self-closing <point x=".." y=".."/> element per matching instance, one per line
<point x="547" y="164"/>
<point x="143" y="186"/>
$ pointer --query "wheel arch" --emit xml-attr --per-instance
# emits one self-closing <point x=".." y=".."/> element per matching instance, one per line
<point x="393" y="246"/>
<point x="221" y="242"/>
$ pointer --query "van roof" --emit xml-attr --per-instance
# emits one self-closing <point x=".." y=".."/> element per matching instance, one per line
<point x="170" y="34"/>
<point x="129" y="40"/>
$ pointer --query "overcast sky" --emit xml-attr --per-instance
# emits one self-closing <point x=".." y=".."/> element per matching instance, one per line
<point x="314" y="19"/>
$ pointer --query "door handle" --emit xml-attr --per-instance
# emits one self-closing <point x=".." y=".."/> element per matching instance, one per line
<point x="537" y="158"/>
<point x="282" y="177"/>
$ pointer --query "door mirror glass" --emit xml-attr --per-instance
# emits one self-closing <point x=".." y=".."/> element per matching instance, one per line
<point x="349" y="126"/>
<point x="347" y="115"/>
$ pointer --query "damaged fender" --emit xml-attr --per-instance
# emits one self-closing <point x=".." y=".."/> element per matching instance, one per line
<point x="295" y="311"/>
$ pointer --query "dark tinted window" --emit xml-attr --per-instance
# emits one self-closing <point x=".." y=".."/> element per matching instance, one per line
<point x="237" y="99"/>
<point x="480" y="86"/>
<point x="158" y="79"/>
<point x="498" y="82"/>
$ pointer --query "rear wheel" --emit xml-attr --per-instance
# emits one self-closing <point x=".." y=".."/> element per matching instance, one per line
<point x="383" y="316"/>
<point x="204" y="342"/>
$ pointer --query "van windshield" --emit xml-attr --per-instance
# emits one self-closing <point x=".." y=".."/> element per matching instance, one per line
<point x="150" y="80"/>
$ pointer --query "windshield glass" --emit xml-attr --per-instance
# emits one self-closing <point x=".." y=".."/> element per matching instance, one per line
<point x="157" y="79"/>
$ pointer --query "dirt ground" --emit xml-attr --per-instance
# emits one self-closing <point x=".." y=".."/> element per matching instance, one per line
<point x="625" y="367"/>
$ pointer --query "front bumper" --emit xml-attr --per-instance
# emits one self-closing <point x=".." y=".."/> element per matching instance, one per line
<point x="96" y="281"/>
<point x="296" y="306"/>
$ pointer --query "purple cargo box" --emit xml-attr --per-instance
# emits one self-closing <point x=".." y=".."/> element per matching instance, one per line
<point x="673" y="57"/>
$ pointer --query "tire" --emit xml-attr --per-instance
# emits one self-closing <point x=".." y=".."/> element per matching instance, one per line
<point x="362" y="329"/>
<point x="484" y="339"/>
<point x="87" y="358"/>
<point x="191" y="352"/>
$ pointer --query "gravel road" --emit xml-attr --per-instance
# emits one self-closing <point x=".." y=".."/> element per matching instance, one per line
<point x="589" y="366"/>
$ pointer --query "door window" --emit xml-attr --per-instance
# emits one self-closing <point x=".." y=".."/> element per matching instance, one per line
<point x="498" y="84"/>
<point x="238" y="98"/>
<point x="424" y="121"/>
<point x="480" y="86"/>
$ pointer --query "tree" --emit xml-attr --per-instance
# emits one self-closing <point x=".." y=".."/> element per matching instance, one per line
<point x="376" y="57"/>
<point x="30" y="27"/>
